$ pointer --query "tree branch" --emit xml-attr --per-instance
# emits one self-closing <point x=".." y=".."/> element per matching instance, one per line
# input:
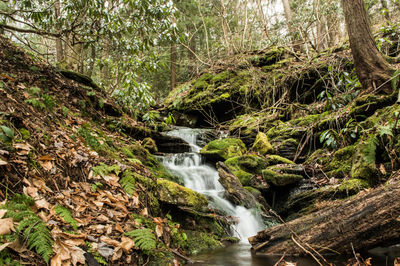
<point x="39" y="32"/>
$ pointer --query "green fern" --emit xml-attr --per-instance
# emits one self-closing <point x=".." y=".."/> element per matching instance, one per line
<point x="127" y="182"/>
<point x="144" y="238"/>
<point x="65" y="213"/>
<point x="34" y="231"/>
<point x="370" y="149"/>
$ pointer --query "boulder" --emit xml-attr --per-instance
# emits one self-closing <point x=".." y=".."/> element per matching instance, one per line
<point x="234" y="189"/>
<point x="173" y="193"/>
<point x="283" y="174"/>
<point x="262" y="145"/>
<point x="246" y="166"/>
<point x="223" y="149"/>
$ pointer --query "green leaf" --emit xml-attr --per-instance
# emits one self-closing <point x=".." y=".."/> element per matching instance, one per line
<point x="8" y="131"/>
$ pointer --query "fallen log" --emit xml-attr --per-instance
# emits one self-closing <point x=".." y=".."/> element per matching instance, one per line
<point x="369" y="219"/>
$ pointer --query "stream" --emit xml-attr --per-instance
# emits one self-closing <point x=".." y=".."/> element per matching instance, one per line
<point x="199" y="176"/>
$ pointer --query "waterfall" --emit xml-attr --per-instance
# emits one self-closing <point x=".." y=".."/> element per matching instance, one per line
<point x="203" y="178"/>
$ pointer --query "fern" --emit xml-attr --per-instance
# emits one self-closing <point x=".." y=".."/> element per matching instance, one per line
<point x="144" y="238"/>
<point x="34" y="231"/>
<point x="65" y="213"/>
<point x="370" y="149"/>
<point x="127" y="182"/>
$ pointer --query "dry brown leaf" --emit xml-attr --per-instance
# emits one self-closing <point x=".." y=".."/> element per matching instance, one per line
<point x="2" y="162"/>
<point x="42" y="204"/>
<point x="117" y="254"/>
<point x="159" y="230"/>
<point x="46" y="165"/>
<point x="3" y="212"/>
<point x="41" y="185"/>
<point x="127" y="244"/>
<point x="6" y="226"/>
<point x="144" y="212"/>
<point x="118" y="227"/>
<point x="382" y="169"/>
<point x="68" y="252"/>
<point x="110" y="241"/>
<point x="46" y="158"/>
<point x="22" y="149"/>
<point x="31" y="192"/>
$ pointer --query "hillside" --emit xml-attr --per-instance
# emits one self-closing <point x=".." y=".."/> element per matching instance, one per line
<point x="78" y="181"/>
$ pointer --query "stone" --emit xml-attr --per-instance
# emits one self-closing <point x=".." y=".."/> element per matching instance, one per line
<point x="262" y="145"/>
<point x="223" y="149"/>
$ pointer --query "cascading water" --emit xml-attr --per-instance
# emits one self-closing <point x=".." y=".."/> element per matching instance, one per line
<point x="203" y="178"/>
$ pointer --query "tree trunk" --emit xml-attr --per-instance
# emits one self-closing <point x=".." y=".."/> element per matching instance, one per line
<point x="92" y="60"/>
<point x="263" y="19"/>
<point x="173" y="66"/>
<point x="333" y="28"/>
<point x="59" y="47"/>
<point x="372" y="69"/>
<point x="368" y="219"/>
<point x="288" y="15"/>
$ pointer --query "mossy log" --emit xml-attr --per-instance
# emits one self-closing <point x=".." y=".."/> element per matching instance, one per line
<point x="369" y="219"/>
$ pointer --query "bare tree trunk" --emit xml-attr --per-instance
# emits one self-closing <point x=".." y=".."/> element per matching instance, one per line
<point x="104" y="73"/>
<point x="224" y="28"/>
<point x="289" y="17"/>
<point x="263" y="20"/>
<point x="333" y="28"/>
<point x="173" y="66"/>
<point x="92" y="60"/>
<point x="192" y="56"/>
<point x="372" y="69"/>
<point x="59" y="47"/>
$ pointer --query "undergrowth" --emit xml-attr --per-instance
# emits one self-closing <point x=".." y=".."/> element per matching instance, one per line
<point x="65" y="213"/>
<point x="32" y="230"/>
<point x="144" y="238"/>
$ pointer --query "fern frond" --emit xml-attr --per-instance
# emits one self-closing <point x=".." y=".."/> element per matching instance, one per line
<point x="143" y="238"/>
<point x="370" y="149"/>
<point x="34" y="230"/>
<point x="66" y="215"/>
<point x="127" y="182"/>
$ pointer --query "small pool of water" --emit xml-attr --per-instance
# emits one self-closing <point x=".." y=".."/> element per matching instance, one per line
<point x="240" y="255"/>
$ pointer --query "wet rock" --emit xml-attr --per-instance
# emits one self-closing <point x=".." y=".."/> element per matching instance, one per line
<point x="234" y="189"/>
<point x="262" y="145"/>
<point x="221" y="150"/>
<point x="173" y="193"/>
<point x="246" y="166"/>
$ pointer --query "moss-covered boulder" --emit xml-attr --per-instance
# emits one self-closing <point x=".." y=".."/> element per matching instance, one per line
<point x="150" y="145"/>
<point x="223" y="149"/>
<point x="173" y="193"/>
<point x="341" y="163"/>
<point x="262" y="145"/>
<point x="283" y="174"/>
<point x="245" y="166"/>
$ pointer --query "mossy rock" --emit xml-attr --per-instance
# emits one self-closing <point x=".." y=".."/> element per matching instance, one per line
<point x="221" y="150"/>
<point x="255" y="192"/>
<point x="276" y="159"/>
<point x="150" y="145"/>
<point x="198" y="242"/>
<point x="341" y="163"/>
<point x="280" y="179"/>
<point x="245" y="166"/>
<point x="262" y="145"/>
<point x="319" y="156"/>
<point x="173" y="193"/>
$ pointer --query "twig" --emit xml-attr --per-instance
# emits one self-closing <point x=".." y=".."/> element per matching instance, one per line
<point x="184" y="257"/>
<point x="306" y="251"/>
<point x="354" y="253"/>
<point x="280" y="260"/>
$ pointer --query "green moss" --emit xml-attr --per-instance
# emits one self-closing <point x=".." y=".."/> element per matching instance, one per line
<point x="255" y="192"/>
<point x="364" y="166"/>
<point x="25" y="133"/>
<point x="233" y="165"/>
<point x="353" y="186"/>
<point x="199" y="242"/>
<point x="173" y="193"/>
<point x="341" y="163"/>
<point x="276" y="159"/>
<point x="319" y="156"/>
<point x="150" y="145"/>
<point x="224" y="149"/>
<point x="262" y="145"/>
<point x="279" y="179"/>
<point x="221" y="77"/>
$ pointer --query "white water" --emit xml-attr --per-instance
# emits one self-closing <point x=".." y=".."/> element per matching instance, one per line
<point x="203" y="178"/>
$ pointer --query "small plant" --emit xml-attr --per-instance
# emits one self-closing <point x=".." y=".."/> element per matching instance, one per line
<point x="95" y="186"/>
<point x="170" y="120"/>
<point x="329" y="138"/>
<point x="65" y="213"/>
<point x="6" y="134"/>
<point x="33" y="230"/>
<point x="65" y="111"/>
<point x="144" y="238"/>
<point x="90" y="139"/>
<point x="103" y="169"/>
<point x="127" y="182"/>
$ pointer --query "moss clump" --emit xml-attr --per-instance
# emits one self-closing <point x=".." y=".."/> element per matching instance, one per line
<point x="244" y="167"/>
<point x="262" y="145"/>
<point x="364" y="166"/>
<point x="340" y="165"/>
<point x="255" y="192"/>
<point x="276" y="159"/>
<point x="352" y="186"/>
<point x="319" y="156"/>
<point x="150" y="145"/>
<point x="224" y="149"/>
<point x="280" y="179"/>
<point x="173" y="193"/>
<point x="198" y="242"/>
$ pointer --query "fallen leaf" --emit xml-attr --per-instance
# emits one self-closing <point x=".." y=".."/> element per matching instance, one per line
<point x="127" y="244"/>
<point x="6" y="226"/>
<point x="105" y="250"/>
<point x="3" y="162"/>
<point x="46" y="165"/>
<point x="159" y="230"/>
<point x="42" y="204"/>
<point x="3" y="212"/>
<point x="46" y="158"/>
